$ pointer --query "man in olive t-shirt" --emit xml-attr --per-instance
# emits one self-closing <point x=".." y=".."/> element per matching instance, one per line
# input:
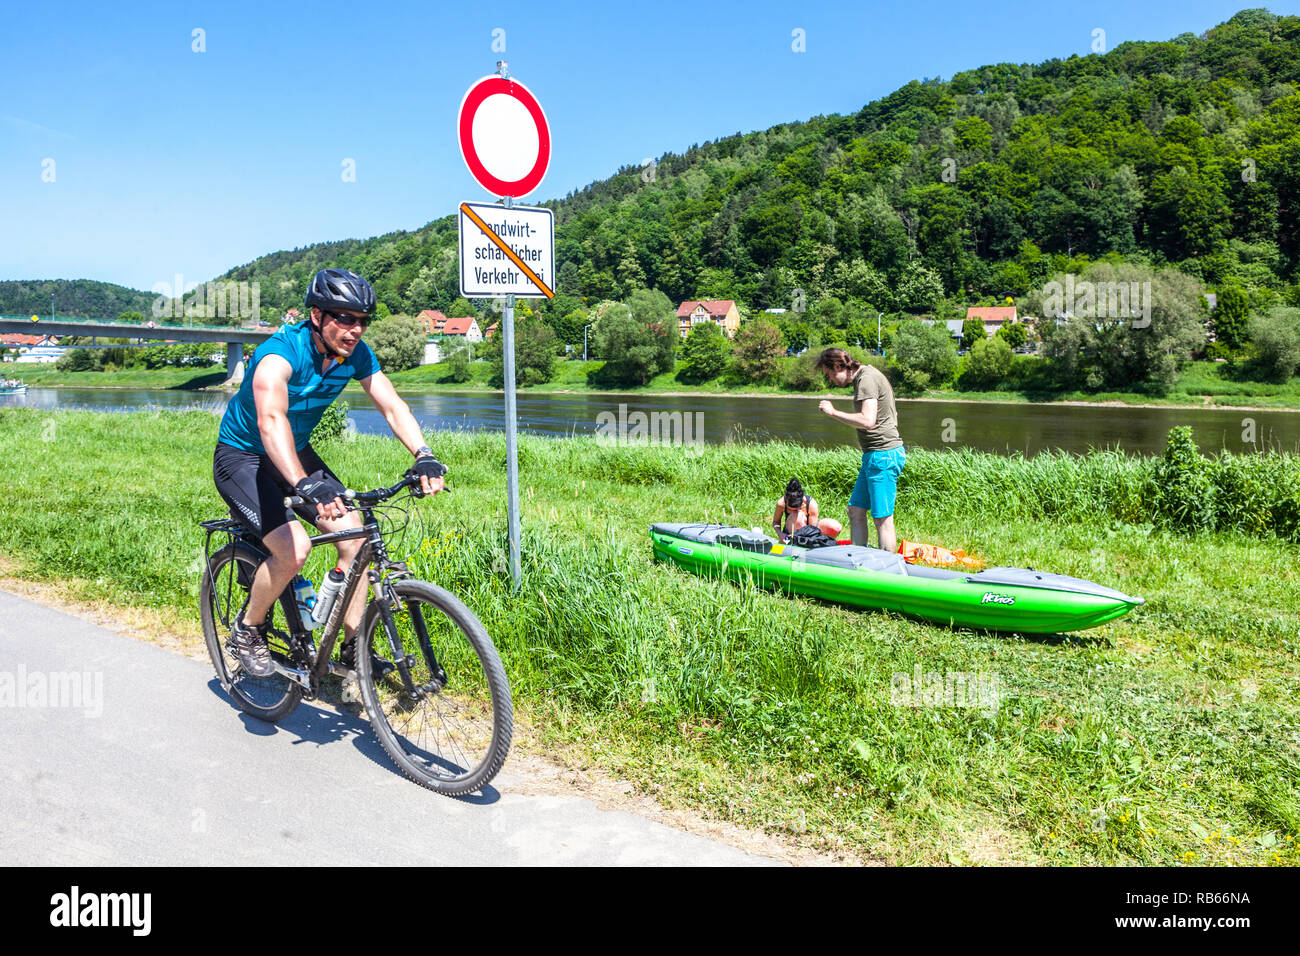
<point x="875" y="417"/>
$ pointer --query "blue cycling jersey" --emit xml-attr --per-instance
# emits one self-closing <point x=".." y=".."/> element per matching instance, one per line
<point x="310" y="390"/>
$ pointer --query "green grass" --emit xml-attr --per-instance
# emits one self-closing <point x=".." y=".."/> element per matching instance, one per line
<point x="178" y="378"/>
<point x="1167" y="737"/>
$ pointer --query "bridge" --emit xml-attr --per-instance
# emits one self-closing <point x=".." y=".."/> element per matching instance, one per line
<point x="233" y="338"/>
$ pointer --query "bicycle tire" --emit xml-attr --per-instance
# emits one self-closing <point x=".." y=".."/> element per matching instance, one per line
<point x="267" y="698"/>
<point x="473" y="711"/>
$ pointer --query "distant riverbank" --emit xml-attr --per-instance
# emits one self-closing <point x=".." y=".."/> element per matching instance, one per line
<point x="1199" y="386"/>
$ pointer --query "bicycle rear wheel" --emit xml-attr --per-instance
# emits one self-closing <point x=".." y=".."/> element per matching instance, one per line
<point x="223" y="592"/>
<point x="453" y="734"/>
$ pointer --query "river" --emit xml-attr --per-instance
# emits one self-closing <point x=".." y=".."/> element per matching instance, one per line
<point x="984" y="426"/>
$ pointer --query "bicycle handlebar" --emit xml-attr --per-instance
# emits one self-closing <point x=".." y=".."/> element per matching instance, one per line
<point x="373" y="496"/>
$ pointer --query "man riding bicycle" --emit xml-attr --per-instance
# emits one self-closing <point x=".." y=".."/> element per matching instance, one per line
<point x="264" y="453"/>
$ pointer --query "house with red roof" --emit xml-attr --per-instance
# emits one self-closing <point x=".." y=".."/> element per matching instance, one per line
<point x="487" y="333"/>
<point x="993" y="316"/>
<point x="31" y="348"/>
<point x="722" y="312"/>
<point x="433" y="320"/>
<point x="466" y="326"/>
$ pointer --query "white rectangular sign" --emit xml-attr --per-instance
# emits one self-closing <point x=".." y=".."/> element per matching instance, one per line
<point x="487" y="269"/>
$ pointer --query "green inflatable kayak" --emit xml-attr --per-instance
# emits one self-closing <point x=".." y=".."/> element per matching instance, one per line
<point x="997" y="599"/>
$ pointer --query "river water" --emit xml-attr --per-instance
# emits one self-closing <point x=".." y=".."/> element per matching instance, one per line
<point x="983" y="426"/>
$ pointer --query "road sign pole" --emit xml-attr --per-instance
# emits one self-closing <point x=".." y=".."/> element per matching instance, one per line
<point x="512" y="438"/>
<point x="483" y="145"/>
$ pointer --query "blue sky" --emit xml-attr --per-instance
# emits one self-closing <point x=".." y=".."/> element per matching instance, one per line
<point x="170" y="161"/>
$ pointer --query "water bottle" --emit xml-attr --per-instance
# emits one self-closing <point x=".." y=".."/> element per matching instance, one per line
<point x="329" y="590"/>
<point x="304" y="596"/>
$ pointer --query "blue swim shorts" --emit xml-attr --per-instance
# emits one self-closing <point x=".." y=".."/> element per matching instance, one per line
<point x="877" y="484"/>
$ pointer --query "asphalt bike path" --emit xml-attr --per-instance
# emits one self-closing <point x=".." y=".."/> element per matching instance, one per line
<point x="117" y="752"/>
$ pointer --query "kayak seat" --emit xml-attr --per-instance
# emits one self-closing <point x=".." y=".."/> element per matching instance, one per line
<point x="857" y="558"/>
<point x="722" y="534"/>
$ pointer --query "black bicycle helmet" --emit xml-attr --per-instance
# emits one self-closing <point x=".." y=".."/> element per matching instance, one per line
<point x="338" y="290"/>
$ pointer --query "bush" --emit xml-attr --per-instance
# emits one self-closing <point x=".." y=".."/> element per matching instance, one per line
<point x="927" y="352"/>
<point x="1183" y="492"/>
<point x="909" y="382"/>
<point x="332" y="424"/>
<point x="757" y="351"/>
<point x="78" y="360"/>
<point x="458" y="366"/>
<point x="802" y="375"/>
<point x="988" y="364"/>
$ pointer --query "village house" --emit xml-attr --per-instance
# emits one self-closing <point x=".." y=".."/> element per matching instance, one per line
<point x="32" y="348"/>
<point x="722" y="312"/>
<point x="993" y="316"/>
<point x="433" y="320"/>
<point x="465" y="328"/>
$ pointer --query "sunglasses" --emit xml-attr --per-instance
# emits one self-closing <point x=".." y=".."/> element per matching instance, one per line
<point x="347" y="321"/>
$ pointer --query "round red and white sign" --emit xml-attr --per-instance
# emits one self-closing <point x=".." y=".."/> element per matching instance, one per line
<point x="504" y="136"/>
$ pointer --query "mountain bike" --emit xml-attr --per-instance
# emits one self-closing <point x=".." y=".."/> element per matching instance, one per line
<point x="443" y="713"/>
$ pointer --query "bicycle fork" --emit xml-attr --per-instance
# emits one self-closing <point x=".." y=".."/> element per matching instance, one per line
<point x="388" y="599"/>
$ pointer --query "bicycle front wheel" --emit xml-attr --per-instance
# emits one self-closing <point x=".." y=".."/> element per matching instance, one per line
<point x="452" y="733"/>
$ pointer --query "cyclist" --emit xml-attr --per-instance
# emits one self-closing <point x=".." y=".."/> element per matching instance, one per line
<point x="263" y="452"/>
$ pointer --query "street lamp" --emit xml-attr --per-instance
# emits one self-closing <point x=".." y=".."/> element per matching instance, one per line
<point x="584" y="342"/>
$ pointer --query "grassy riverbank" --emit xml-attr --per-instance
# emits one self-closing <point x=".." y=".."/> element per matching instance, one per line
<point x="1201" y="384"/>
<point x="1168" y="737"/>
<point x="171" y="378"/>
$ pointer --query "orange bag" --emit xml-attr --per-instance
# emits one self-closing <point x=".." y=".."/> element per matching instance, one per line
<point x="915" y="552"/>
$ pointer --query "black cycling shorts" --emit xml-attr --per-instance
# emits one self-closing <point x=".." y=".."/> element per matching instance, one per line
<point x="255" y="489"/>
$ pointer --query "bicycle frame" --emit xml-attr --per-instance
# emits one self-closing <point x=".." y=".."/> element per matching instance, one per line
<point x="302" y="644"/>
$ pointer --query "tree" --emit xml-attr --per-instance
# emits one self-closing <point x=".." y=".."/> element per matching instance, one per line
<point x="78" y="360"/>
<point x="460" y="308"/>
<point x="1014" y="334"/>
<point x="1275" y="340"/>
<point x="1108" y="344"/>
<point x="534" y="353"/>
<point x="133" y="318"/>
<point x="924" y="355"/>
<point x="632" y="350"/>
<point x="1231" y="310"/>
<point x="704" y="353"/>
<point x="971" y="331"/>
<point x="919" y="289"/>
<point x="398" y="342"/>
<point x="656" y="312"/>
<point x="757" y="350"/>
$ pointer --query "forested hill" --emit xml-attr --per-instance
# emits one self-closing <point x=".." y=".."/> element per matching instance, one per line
<point x="1185" y="151"/>
<point x="84" y="298"/>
